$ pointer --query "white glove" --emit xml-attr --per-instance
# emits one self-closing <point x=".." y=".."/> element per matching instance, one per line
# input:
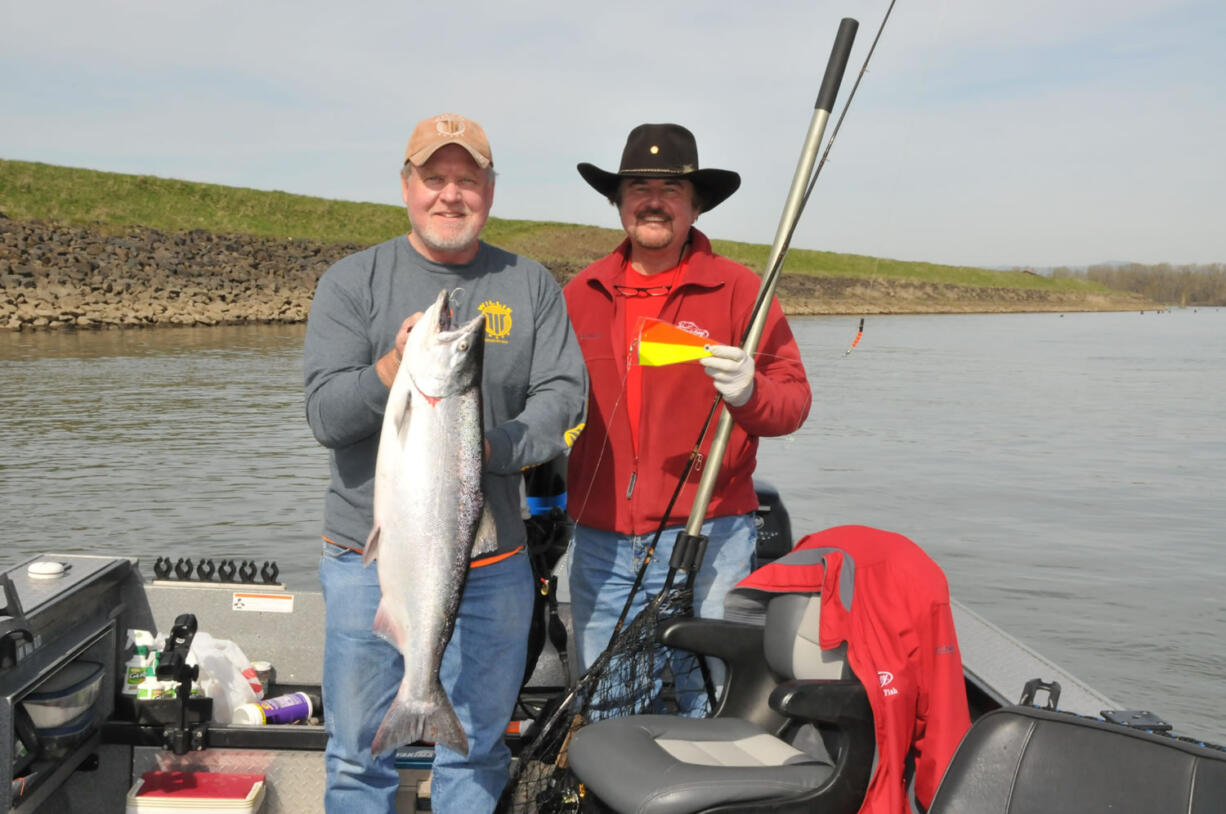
<point x="732" y="370"/>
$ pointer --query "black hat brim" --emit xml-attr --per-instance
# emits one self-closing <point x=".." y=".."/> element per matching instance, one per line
<point x="714" y="185"/>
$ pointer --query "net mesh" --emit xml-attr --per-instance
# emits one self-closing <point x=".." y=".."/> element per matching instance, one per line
<point x="634" y="675"/>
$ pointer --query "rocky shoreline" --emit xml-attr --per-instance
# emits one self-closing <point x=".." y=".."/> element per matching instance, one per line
<point x="55" y="276"/>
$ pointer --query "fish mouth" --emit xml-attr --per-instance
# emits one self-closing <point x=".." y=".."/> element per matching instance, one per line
<point x="446" y="328"/>
<point x="444" y="311"/>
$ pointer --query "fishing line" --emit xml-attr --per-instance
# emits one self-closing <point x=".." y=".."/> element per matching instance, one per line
<point x="695" y="453"/>
<point x="846" y="104"/>
<point x="764" y="294"/>
<point x="533" y="782"/>
<point x="838" y="125"/>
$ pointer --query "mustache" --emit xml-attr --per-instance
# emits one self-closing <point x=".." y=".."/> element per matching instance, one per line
<point x="652" y="211"/>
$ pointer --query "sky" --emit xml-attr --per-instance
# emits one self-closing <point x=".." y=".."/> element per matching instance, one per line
<point x="1021" y="134"/>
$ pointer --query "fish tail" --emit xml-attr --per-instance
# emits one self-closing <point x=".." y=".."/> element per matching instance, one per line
<point x="407" y="722"/>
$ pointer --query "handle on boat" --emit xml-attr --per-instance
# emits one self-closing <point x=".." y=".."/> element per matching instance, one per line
<point x="783" y="235"/>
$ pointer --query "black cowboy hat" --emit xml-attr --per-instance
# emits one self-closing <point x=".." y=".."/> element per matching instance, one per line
<point x="664" y="151"/>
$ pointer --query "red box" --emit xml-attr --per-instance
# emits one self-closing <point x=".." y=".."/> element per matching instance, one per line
<point x="200" y="792"/>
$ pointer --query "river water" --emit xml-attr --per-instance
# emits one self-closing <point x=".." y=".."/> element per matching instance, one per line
<point x="1066" y="471"/>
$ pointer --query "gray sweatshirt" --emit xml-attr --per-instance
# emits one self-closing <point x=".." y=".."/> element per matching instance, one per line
<point x="534" y="383"/>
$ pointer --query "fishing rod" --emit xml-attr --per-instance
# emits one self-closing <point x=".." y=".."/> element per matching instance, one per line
<point x="562" y="720"/>
<point x="825" y="101"/>
<point x="838" y="125"/>
<point x="689" y="556"/>
<point x="691" y="544"/>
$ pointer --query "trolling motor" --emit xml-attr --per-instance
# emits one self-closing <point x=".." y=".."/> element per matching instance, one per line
<point x="173" y="666"/>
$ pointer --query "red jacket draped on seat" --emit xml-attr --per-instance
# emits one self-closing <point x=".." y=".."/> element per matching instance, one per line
<point x="884" y="597"/>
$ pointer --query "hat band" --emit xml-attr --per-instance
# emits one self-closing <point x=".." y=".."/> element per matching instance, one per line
<point x="656" y="169"/>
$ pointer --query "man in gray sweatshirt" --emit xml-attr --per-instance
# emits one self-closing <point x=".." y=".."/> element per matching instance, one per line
<point x="533" y="389"/>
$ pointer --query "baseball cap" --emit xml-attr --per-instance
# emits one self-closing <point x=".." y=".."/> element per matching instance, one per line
<point x="447" y="128"/>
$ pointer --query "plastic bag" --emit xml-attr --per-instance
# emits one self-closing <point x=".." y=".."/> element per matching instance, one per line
<point x="226" y="675"/>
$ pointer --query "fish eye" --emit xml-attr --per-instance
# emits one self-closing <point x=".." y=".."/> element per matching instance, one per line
<point x="463" y="346"/>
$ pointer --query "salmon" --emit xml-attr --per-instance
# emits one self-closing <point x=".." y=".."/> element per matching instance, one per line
<point x="430" y="517"/>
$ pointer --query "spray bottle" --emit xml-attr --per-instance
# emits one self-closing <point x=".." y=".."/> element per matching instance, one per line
<point x="143" y="654"/>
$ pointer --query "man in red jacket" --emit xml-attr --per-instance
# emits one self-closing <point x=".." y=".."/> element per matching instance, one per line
<point x="643" y="421"/>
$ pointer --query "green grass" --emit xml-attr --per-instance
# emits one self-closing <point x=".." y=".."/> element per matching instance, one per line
<point x="833" y="264"/>
<point x="68" y="195"/>
<point x="46" y="192"/>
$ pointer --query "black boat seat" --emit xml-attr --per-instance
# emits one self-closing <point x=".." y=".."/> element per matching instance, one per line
<point x="667" y="765"/>
<point x="1024" y="760"/>
<point x="770" y="756"/>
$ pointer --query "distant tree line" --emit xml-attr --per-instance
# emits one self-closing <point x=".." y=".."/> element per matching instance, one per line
<point x="1164" y="283"/>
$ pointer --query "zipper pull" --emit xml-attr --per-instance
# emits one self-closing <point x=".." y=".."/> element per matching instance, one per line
<point x="630" y="489"/>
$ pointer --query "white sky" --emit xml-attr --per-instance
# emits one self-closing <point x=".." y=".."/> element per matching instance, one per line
<point x="1044" y="132"/>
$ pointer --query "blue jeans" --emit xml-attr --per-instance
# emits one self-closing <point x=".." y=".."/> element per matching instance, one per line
<point x="482" y="670"/>
<point x="603" y="566"/>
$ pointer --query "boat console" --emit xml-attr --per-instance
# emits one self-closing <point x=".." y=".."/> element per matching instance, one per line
<point x="59" y="638"/>
<point x="73" y="741"/>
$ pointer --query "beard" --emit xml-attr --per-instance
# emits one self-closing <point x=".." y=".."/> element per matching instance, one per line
<point x="449" y="240"/>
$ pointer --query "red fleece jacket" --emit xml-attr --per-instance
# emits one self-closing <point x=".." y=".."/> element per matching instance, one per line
<point x="884" y="597"/>
<point x="609" y="486"/>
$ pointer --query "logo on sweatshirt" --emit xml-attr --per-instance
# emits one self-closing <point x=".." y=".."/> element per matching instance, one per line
<point x="690" y="327"/>
<point x="887" y="678"/>
<point x="497" y="321"/>
<point x="572" y="434"/>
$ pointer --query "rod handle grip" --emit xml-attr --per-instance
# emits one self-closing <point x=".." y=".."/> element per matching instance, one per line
<point x="837" y="64"/>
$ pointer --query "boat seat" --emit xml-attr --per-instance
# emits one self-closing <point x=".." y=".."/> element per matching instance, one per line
<point x="786" y="707"/>
<point x="1023" y="759"/>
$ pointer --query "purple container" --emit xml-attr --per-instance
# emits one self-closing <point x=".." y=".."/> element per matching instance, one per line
<point x="284" y="709"/>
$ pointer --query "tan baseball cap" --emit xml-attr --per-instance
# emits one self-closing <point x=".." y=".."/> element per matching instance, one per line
<point x="447" y="128"/>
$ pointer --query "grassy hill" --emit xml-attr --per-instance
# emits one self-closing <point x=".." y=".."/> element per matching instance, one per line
<point x="106" y="200"/>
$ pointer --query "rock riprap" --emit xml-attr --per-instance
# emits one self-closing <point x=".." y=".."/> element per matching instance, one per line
<point x="61" y="276"/>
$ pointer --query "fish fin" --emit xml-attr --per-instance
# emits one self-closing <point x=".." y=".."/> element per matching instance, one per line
<point x="401" y="418"/>
<point x="443" y="726"/>
<point x="435" y="720"/>
<point x="371" y="551"/>
<point x="486" y="541"/>
<point x="384" y="627"/>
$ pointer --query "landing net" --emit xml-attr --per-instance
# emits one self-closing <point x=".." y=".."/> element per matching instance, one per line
<point x="634" y="675"/>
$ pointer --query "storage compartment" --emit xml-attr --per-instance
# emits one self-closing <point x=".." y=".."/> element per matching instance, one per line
<point x="66" y="696"/>
<point x="56" y="722"/>
<point x="58" y="652"/>
<point x="58" y="741"/>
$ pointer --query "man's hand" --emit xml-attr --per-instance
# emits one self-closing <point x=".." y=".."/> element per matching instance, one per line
<point x="732" y="370"/>
<point x="387" y="366"/>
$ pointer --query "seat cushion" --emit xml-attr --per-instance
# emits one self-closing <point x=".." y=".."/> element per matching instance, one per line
<point x="659" y="764"/>
<point x="791" y="639"/>
<point x="1023" y="760"/>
